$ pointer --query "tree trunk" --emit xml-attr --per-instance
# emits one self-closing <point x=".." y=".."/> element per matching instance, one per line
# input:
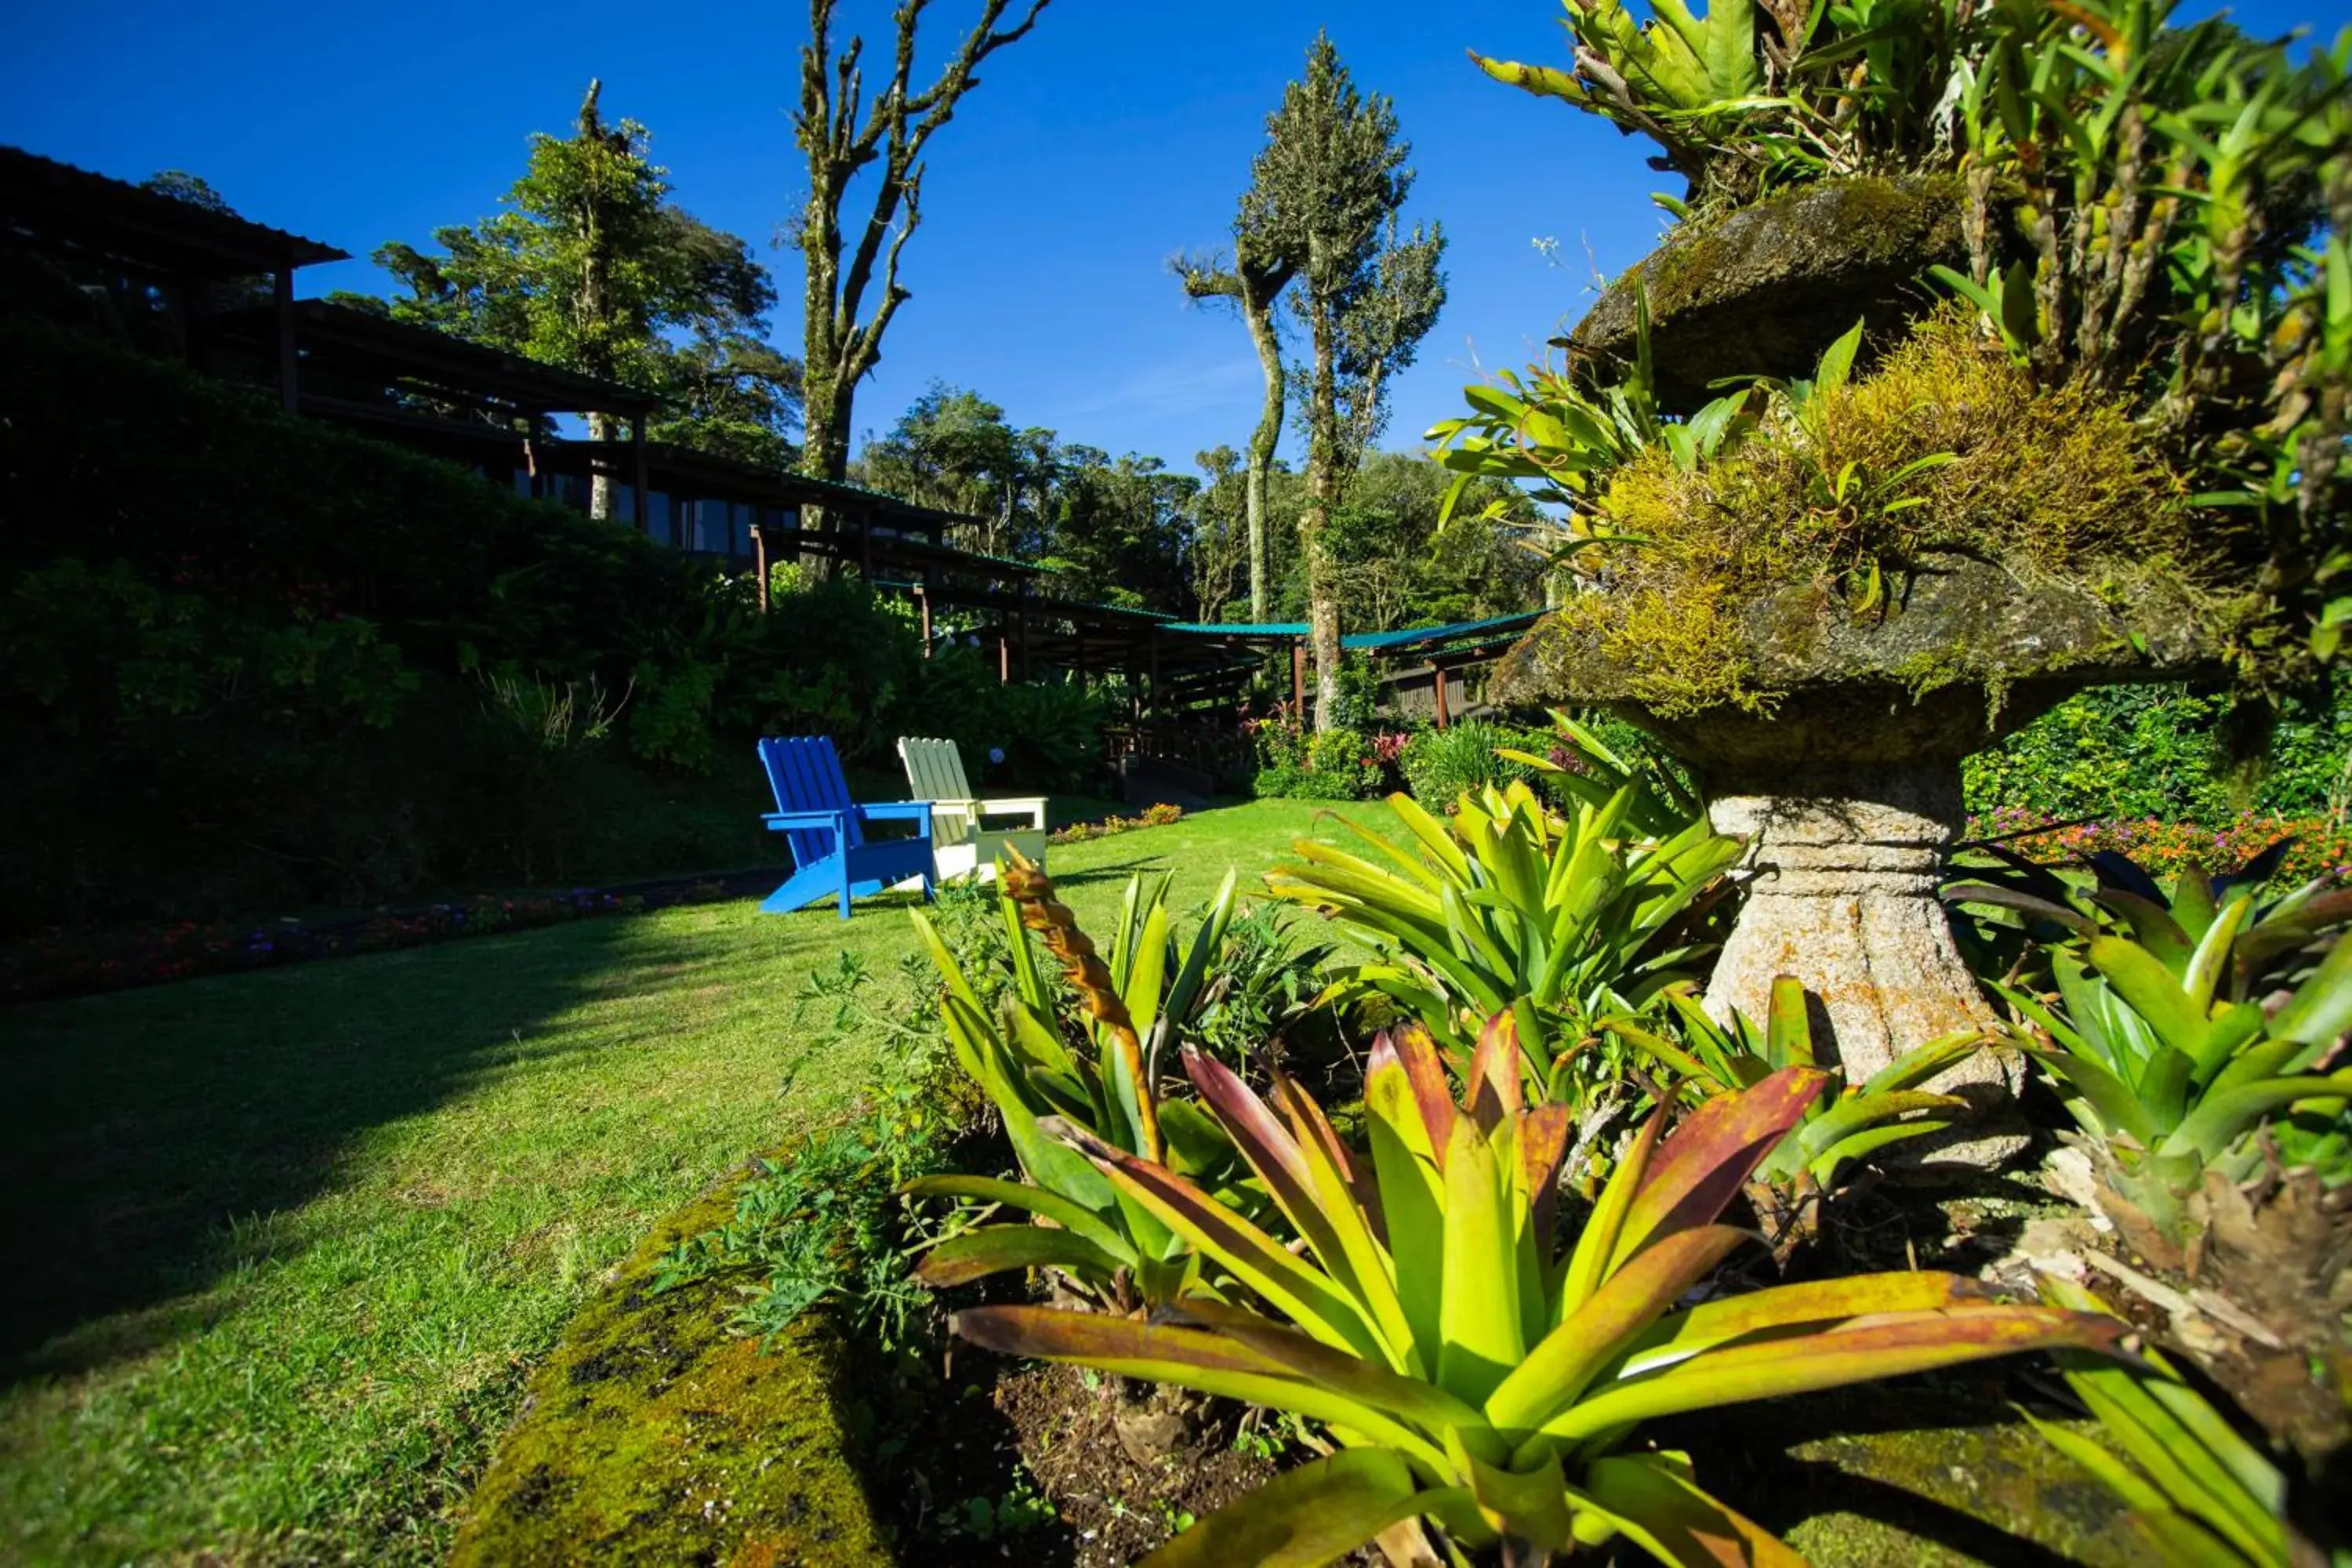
<point x="602" y="429"/>
<point x="1263" y="441"/>
<point x="1323" y="484"/>
<point x="825" y="455"/>
<point x="1322" y="594"/>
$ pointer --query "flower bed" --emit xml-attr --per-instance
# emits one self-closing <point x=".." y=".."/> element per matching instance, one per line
<point x="73" y="965"/>
<point x="1159" y="814"/>
<point x="2321" y="847"/>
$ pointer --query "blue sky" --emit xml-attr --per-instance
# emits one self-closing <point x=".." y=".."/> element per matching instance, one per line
<point x="1118" y="134"/>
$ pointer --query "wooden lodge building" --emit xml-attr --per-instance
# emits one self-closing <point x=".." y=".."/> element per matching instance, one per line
<point x="182" y="280"/>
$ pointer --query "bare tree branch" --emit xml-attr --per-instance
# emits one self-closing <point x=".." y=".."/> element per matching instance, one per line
<point x="841" y="135"/>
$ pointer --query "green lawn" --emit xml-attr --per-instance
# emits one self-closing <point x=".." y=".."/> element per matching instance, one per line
<point x="286" y="1245"/>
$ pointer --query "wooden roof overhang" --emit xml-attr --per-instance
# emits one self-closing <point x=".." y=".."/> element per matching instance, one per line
<point x="344" y="347"/>
<point x="58" y="205"/>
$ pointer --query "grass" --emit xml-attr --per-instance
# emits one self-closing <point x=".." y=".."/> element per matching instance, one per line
<point x="287" y="1245"/>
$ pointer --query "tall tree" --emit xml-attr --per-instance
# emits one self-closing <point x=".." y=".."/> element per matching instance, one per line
<point x="952" y="450"/>
<point x="194" y="189"/>
<point x="841" y="135"/>
<point x="1221" y="534"/>
<point x="1332" y="179"/>
<point x="593" y="268"/>
<point x="1252" y="280"/>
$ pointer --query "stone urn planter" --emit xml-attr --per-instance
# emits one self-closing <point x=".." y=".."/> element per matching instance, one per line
<point x="1895" y="559"/>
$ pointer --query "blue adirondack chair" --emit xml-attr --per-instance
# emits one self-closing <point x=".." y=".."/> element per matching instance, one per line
<point x="831" y="853"/>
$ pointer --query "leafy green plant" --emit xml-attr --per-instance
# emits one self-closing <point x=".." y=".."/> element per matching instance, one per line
<point x="1052" y="731"/>
<point x="1566" y="430"/>
<point x="1021" y="1057"/>
<point x="1474" y="1376"/>
<point x="1317" y="764"/>
<point x="1744" y="98"/>
<point x="1581" y="764"/>
<point x="1468" y="755"/>
<point x="1263" y="984"/>
<point x="2205" y="1496"/>
<point x="2165" y="1042"/>
<point x="827" y="1223"/>
<point x="1502" y="906"/>
<point x="1846" y="1125"/>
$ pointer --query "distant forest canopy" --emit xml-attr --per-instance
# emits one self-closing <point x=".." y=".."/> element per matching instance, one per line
<point x="1135" y="531"/>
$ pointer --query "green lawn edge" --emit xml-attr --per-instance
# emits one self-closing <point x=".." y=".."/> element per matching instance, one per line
<point x="655" y="1434"/>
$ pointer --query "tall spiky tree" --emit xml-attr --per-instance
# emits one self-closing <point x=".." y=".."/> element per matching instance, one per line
<point x="1252" y="278"/>
<point x="841" y="135"/>
<point x="1327" y="190"/>
<point x="592" y="266"/>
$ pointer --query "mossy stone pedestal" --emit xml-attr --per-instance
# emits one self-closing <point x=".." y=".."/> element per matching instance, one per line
<point x="1845" y="775"/>
<point x="1847" y="821"/>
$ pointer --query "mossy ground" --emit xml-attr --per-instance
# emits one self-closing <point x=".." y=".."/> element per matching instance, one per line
<point x="655" y="1434"/>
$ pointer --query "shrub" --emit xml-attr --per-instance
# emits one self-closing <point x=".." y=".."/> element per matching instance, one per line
<point x="1322" y="765"/>
<point x="262" y="660"/>
<point x="1441" y="765"/>
<point x="1051" y="732"/>
<point x="2162" y="753"/>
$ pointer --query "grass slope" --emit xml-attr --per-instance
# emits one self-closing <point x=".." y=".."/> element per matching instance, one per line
<point x="285" y="1246"/>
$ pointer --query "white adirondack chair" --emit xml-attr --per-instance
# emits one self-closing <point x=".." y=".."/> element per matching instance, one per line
<point x="962" y="845"/>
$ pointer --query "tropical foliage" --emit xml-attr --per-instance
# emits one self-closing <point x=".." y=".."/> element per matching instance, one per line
<point x="1744" y="98"/>
<point x="2175" y="1022"/>
<point x="1013" y="1045"/>
<point x="2208" y="1498"/>
<point x="1851" y="1122"/>
<point x="1474" y="1373"/>
<point x="1503" y="907"/>
<point x="2151" y="213"/>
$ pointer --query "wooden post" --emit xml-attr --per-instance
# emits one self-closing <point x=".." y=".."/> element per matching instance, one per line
<point x="1004" y="662"/>
<point x="1152" y="637"/>
<point x="1298" y="681"/>
<point x="637" y="453"/>
<point x="281" y="295"/>
<point x="923" y="604"/>
<point x="759" y="565"/>
<point x="1438" y="671"/>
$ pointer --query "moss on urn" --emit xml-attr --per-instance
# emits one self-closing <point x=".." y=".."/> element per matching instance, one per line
<point x="1759" y="290"/>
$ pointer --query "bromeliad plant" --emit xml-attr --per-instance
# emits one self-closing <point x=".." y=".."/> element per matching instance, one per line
<point x="1661" y="806"/>
<point x="1103" y="1245"/>
<point x="2206" y="1496"/>
<point x="1473" y="1374"/>
<point x="1507" y="907"/>
<point x="1837" y="1130"/>
<point x="1564" y="430"/>
<point x="2176" y="1024"/>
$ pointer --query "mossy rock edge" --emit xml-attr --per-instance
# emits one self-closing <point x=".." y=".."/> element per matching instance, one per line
<point x="655" y="1434"/>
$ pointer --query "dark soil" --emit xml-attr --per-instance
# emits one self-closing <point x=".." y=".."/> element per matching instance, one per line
<point x="1004" y="1462"/>
<point x="1119" y="1498"/>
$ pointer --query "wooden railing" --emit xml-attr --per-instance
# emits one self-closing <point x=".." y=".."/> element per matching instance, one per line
<point x="1200" y="746"/>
